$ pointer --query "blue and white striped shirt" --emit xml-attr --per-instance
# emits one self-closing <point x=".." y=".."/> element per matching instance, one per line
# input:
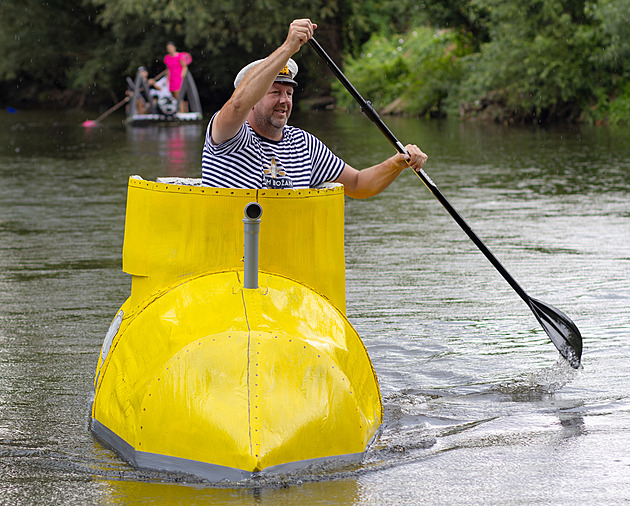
<point x="298" y="160"/>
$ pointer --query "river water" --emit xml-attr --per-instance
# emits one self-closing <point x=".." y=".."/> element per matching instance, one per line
<point x="478" y="408"/>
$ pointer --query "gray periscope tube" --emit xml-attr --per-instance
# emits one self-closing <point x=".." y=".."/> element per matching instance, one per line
<point x="253" y="212"/>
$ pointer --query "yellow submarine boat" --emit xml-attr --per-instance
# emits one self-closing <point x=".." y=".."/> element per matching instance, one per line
<point x="233" y="355"/>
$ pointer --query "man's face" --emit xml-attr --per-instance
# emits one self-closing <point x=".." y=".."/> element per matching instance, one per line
<point x="275" y="107"/>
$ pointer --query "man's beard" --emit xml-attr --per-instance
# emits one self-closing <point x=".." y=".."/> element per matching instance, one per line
<point x="278" y="122"/>
<point x="270" y="120"/>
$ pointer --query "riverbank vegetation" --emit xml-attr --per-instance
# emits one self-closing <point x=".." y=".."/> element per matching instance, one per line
<point x="525" y="61"/>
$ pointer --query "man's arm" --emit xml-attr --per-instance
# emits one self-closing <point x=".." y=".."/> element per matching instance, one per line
<point x="257" y="82"/>
<point x="361" y="184"/>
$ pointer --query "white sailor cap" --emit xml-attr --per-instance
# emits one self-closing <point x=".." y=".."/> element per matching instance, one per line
<point x="286" y="75"/>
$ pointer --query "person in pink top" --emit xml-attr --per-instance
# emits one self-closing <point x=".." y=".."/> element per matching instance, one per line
<point x="176" y="68"/>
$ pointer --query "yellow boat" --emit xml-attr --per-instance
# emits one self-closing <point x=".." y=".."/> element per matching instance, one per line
<point x="233" y="355"/>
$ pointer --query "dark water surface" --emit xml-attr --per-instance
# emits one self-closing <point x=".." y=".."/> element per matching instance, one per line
<point x="478" y="409"/>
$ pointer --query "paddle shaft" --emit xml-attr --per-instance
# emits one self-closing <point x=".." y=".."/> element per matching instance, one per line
<point x="369" y="111"/>
<point x="112" y="109"/>
<point x="119" y="104"/>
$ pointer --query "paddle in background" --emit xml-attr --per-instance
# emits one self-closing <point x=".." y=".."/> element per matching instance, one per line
<point x="92" y="123"/>
<point x="559" y="327"/>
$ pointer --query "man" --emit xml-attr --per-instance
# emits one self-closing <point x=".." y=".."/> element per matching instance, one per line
<point x="249" y="145"/>
<point x="148" y="97"/>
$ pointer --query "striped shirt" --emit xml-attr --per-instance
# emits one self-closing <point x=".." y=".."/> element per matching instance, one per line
<point x="298" y="160"/>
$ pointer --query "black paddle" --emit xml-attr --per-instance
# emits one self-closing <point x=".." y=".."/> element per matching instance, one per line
<point x="561" y="330"/>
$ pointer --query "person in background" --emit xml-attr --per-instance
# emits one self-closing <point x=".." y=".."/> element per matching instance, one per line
<point x="150" y="97"/>
<point x="146" y="87"/>
<point x="177" y="67"/>
<point x="249" y="144"/>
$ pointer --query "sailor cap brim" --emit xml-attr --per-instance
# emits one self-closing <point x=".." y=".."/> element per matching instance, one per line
<point x="286" y="76"/>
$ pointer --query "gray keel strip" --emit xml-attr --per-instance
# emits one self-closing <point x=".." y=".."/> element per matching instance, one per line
<point x="211" y="472"/>
<point x="156" y="462"/>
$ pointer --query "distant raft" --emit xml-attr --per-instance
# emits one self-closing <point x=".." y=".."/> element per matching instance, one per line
<point x="151" y="105"/>
<point x="203" y="375"/>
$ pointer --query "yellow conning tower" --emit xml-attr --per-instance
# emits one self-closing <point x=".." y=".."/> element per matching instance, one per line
<point x="201" y="375"/>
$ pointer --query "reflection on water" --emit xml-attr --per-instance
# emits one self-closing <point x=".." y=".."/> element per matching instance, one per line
<point x="176" y="146"/>
<point x="471" y="384"/>
<point x="340" y="491"/>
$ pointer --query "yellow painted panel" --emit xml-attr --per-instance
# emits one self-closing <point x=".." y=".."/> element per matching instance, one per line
<point x="197" y="405"/>
<point x="247" y="379"/>
<point x="175" y="231"/>
<point x="313" y="377"/>
<point x="155" y="333"/>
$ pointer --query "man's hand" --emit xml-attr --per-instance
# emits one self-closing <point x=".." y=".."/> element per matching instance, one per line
<point x="300" y="31"/>
<point x="415" y="158"/>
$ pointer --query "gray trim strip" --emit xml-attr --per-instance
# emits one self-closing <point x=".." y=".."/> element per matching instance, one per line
<point x="210" y="472"/>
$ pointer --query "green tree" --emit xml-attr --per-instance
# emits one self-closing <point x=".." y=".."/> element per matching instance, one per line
<point x="45" y="44"/>
<point x="536" y="65"/>
<point x="89" y="46"/>
<point x="531" y="60"/>
<point x="470" y="17"/>
<point x="221" y="35"/>
<point x="612" y="92"/>
<point x="410" y="73"/>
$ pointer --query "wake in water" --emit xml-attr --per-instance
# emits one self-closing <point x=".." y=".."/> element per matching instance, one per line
<point x="538" y="384"/>
<point x="418" y="424"/>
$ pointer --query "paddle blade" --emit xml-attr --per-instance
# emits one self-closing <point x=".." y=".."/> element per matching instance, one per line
<point x="561" y="330"/>
<point x="89" y="123"/>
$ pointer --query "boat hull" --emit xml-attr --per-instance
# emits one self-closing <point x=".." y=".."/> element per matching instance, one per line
<point x="216" y="380"/>
<point x="156" y="119"/>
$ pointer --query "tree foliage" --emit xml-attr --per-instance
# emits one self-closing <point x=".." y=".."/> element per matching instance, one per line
<point x="93" y="44"/>
<point x="45" y="44"/>
<point x="525" y="61"/>
<point x="507" y="60"/>
<point x="407" y="73"/>
<point x="534" y="63"/>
